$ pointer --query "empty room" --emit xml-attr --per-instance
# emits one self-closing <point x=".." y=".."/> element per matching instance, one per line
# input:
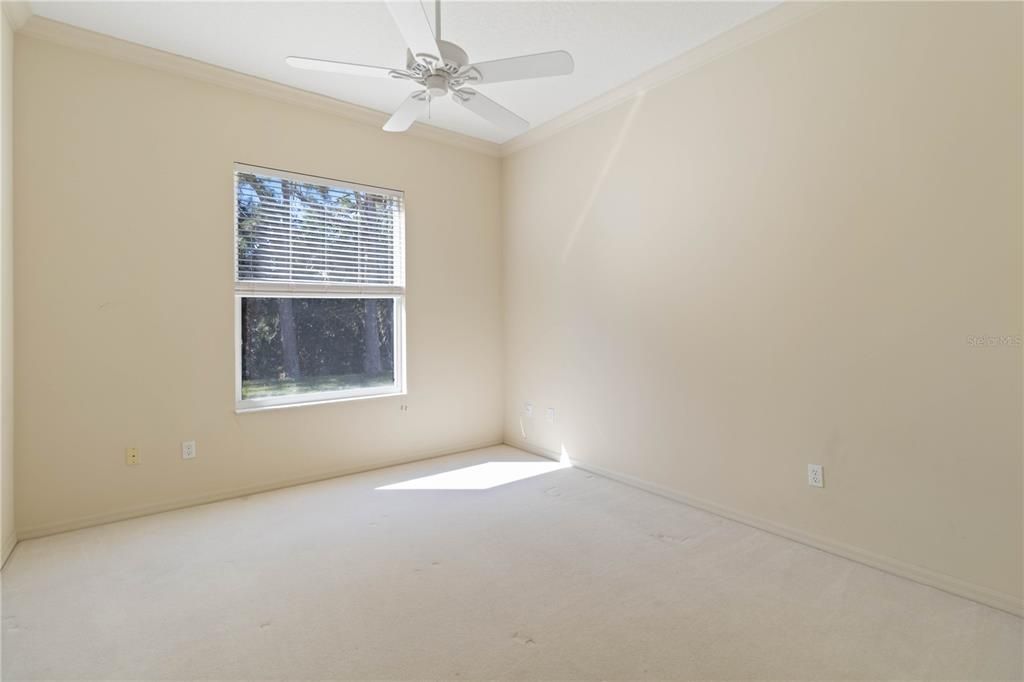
<point x="504" y="339"/>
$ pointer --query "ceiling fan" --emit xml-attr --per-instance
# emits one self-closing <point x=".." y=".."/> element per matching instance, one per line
<point x="442" y="68"/>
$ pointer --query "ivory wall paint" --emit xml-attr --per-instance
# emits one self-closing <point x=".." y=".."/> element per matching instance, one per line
<point x="124" y="298"/>
<point x="786" y="257"/>
<point x="7" y="524"/>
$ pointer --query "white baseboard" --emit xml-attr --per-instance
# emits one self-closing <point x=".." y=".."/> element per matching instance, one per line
<point x="7" y="548"/>
<point x="946" y="583"/>
<point x="135" y="512"/>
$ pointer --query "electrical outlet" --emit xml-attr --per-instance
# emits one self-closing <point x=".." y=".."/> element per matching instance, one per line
<point x="188" y="449"/>
<point x="551" y="415"/>
<point x="131" y="456"/>
<point x="528" y="409"/>
<point x="816" y="475"/>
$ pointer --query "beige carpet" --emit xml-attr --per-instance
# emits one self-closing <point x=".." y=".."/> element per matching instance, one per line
<point x="559" y="575"/>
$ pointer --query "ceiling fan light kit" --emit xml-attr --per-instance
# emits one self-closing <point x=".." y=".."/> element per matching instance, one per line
<point x="443" y="68"/>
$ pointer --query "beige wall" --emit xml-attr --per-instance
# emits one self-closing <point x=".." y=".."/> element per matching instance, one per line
<point x="777" y="259"/>
<point x="124" y="297"/>
<point x="6" y="289"/>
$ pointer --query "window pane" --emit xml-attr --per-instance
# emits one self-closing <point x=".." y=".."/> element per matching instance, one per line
<point x="308" y="345"/>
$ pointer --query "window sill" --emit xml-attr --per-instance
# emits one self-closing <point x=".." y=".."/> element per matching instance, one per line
<point x="245" y="409"/>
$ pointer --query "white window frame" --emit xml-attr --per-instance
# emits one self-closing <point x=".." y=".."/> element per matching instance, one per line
<point x="317" y="290"/>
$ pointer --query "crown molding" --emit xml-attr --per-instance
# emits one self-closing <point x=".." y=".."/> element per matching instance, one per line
<point x="17" y="12"/>
<point x="97" y="43"/>
<point x="744" y="34"/>
<point x="20" y="16"/>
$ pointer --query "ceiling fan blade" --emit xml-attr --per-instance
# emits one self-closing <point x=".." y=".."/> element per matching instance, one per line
<point x="346" y="68"/>
<point x="414" y="105"/>
<point x="542" y="65"/>
<point x="412" y="22"/>
<point x="487" y="108"/>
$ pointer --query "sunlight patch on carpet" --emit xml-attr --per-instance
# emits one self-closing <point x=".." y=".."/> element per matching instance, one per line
<point x="479" y="476"/>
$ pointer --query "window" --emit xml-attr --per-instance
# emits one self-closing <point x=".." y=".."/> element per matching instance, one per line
<point x="319" y="289"/>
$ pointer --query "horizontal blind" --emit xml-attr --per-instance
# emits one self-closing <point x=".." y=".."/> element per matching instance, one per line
<point x="300" y="229"/>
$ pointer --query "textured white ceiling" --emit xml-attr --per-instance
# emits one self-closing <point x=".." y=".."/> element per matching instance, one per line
<point x="612" y="42"/>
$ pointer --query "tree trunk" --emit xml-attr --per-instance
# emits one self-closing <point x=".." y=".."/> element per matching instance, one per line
<point x="286" y="315"/>
<point x="371" y="338"/>
<point x="289" y="346"/>
<point x="248" y="336"/>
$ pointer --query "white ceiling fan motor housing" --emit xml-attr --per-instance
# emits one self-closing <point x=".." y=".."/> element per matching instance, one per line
<point x="454" y="58"/>
<point x="436" y="85"/>
<point x="437" y="77"/>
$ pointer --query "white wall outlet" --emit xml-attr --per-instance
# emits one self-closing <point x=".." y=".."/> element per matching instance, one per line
<point x="528" y="409"/>
<point x="131" y="456"/>
<point x="815" y="475"/>
<point x="188" y="449"/>
<point x="551" y="415"/>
